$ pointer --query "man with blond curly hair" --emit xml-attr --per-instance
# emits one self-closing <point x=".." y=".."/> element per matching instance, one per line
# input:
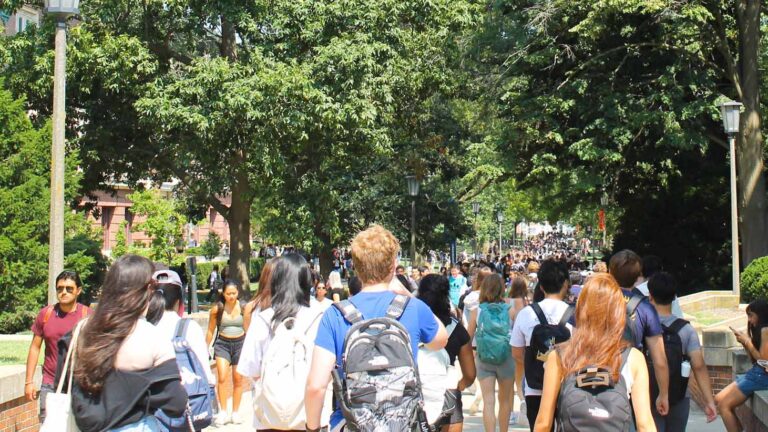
<point x="374" y="255"/>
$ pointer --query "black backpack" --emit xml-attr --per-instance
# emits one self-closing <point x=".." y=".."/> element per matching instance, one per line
<point x="673" y="348"/>
<point x="590" y="401"/>
<point x="544" y="337"/>
<point x="630" y="329"/>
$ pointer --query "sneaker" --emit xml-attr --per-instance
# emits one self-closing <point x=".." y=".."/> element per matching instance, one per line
<point x="221" y="419"/>
<point x="522" y="420"/>
<point x="513" y="417"/>
<point x="236" y="419"/>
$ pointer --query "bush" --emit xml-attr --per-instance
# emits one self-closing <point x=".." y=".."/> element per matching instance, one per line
<point x="754" y="280"/>
<point x="204" y="270"/>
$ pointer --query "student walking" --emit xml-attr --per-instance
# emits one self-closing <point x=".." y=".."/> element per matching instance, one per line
<point x="227" y="320"/>
<point x="270" y="356"/>
<point x="596" y="354"/>
<point x="374" y="253"/>
<point x="490" y="325"/>
<point x="51" y="324"/>
<point x="755" y="343"/>
<point x="548" y="319"/>
<point x="440" y="381"/>
<point x="263" y="298"/>
<point x="120" y="355"/>
<point x="683" y="351"/>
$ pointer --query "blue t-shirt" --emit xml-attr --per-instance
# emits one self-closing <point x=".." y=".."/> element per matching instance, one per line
<point x="417" y="319"/>
<point x="647" y="323"/>
<point x="457" y="286"/>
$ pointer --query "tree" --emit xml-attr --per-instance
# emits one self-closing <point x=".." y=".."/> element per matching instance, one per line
<point x="212" y="246"/>
<point x="163" y="223"/>
<point x="24" y="209"/>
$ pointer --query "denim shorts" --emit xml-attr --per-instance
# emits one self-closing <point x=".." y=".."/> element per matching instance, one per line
<point x="146" y="424"/>
<point x="755" y="379"/>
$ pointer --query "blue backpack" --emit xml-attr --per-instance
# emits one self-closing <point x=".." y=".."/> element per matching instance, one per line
<point x="492" y="336"/>
<point x="199" y="414"/>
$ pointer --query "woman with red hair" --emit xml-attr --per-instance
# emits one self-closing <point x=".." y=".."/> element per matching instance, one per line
<point x="598" y="341"/>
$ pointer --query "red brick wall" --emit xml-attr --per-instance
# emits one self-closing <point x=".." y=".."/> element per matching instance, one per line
<point x="720" y="377"/>
<point x="19" y="415"/>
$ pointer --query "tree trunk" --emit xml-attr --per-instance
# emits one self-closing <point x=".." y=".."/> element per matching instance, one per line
<point x="325" y="252"/>
<point x="228" y="48"/>
<point x="240" y="230"/>
<point x="752" y="199"/>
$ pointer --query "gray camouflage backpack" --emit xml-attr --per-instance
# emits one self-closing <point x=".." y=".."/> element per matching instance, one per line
<point x="381" y="391"/>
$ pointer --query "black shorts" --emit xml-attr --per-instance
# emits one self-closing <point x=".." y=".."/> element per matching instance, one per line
<point x="452" y="409"/>
<point x="228" y="349"/>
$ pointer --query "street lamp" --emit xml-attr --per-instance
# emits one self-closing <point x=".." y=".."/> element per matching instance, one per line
<point x="476" y="211"/>
<point x="413" y="192"/>
<point x="500" y="219"/>
<point x="61" y="11"/>
<point x="730" y="112"/>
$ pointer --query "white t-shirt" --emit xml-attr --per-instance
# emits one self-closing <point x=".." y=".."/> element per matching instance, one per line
<point x="257" y="340"/>
<point x="325" y="304"/>
<point x="525" y="322"/>
<point x="676" y="310"/>
<point x="471" y="302"/>
<point x="195" y="337"/>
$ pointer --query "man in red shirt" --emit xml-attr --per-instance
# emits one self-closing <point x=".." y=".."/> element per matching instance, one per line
<point x="51" y="324"/>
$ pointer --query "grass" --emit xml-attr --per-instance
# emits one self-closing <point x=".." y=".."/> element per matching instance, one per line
<point x="15" y="353"/>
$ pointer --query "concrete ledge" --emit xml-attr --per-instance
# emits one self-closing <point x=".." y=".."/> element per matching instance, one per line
<point x="12" y="380"/>
<point x="718" y="337"/>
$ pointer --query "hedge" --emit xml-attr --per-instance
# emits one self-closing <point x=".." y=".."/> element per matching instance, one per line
<point x="204" y="271"/>
<point x="754" y="280"/>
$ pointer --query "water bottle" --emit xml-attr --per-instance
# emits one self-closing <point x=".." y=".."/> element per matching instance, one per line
<point x="685" y="369"/>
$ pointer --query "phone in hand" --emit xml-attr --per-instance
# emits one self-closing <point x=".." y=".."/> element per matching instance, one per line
<point x="733" y="330"/>
<point x="763" y="363"/>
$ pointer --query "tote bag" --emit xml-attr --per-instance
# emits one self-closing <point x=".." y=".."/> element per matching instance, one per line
<point x="58" y="406"/>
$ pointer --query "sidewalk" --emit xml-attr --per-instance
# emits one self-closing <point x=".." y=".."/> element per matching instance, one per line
<point x="697" y="422"/>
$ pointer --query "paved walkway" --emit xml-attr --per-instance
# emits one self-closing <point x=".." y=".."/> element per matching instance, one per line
<point x="472" y="423"/>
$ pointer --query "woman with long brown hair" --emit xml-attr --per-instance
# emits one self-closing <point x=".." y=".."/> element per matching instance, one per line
<point x="263" y="298"/>
<point x="120" y="355"/>
<point x="598" y="340"/>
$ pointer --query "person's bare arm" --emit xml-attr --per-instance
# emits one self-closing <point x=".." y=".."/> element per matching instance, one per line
<point x="641" y="398"/>
<point x="32" y="357"/>
<point x="440" y="339"/>
<point x="553" y="376"/>
<point x="211" y="325"/>
<point x="247" y="312"/>
<point x="467" y="363"/>
<point x="472" y="328"/>
<point x="323" y="362"/>
<point x="655" y="345"/>
<point x="518" y="353"/>
<point x="701" y="374"/>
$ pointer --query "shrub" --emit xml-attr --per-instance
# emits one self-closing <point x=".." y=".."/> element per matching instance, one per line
<point x="754" y="280"/>
<point x="204" y="270"/>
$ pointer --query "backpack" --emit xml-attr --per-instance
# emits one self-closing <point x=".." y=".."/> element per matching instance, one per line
<point x="630" y="329"/>
<point x="673" y="348"/>
<point x="201" y="394"/>
<point x="544" y="337"/>
<point x="590" y="401"/>
<point x="492" y="337"/>
<point x="284" y="371"/>
<point x="435" y="362"/>
<point x="381" y="389"/>
<point x="436" y="377"/>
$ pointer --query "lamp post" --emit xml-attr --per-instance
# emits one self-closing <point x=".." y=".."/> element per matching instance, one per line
<point x="413" y="191"/>
<point x="61" y="11"/>
<point x="500" y="219"/>
<point x="476" y="211"/>
<point x="730" y="112"/>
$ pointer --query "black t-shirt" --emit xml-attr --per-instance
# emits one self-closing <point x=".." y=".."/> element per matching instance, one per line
<point x="459" y="337"/>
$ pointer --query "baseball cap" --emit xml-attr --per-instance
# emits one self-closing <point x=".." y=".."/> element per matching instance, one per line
<point x="167" y="277"/>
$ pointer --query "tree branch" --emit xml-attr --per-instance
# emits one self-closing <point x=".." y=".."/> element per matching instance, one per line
<point x="732" y="72"/>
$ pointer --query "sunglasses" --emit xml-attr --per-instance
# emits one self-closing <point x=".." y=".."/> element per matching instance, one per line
<point x="69" y="289"/>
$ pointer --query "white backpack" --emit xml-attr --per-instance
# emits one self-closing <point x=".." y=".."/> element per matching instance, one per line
<point x="279" y="392"/>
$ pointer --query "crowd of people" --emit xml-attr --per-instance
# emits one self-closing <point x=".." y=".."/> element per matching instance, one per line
<point x="586" y="347"/>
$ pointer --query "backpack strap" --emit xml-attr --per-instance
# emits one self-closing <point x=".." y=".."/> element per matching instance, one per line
<point x="539" y="313"/>
<point x="83" y="312"/>
<point x="181" y="328"/>
<point x="677" y="325"/>
<point x="48" y="313"/>
<point x="633" y="303"/>
<point x="313" y="322"/>
<point x="397" y="307"/>
<point x="566" y="316"/>
<point x="349" y="311"/>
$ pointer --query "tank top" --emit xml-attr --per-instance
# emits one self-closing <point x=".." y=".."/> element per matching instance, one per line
<point x="232" y="327"/>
